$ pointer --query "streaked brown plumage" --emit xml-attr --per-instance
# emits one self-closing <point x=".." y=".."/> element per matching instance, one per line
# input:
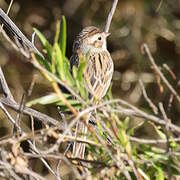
<point x="98" y="71"/>
<point x="99" y="67"/>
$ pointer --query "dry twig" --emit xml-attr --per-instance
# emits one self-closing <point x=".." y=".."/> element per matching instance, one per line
<point x="110" y="15"/>
<point x="151" y="104"/>
<point x="152" y="141"/>
<point x="8" y="100"/>
<point x="168" y="150"/>
<point x="156" y="68"/>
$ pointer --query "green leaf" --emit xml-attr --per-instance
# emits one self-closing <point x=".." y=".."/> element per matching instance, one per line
<point x="43" y="62"/>
<point x="62" y="66"/>
<point x="57" y="32"/>
<point x="80" y="79"/>
<point x="59" y="62"/>
<point x="126" y="123"/>
<point x="45" y="43"/>
<point x="53" y="98"/>
<point x="63" y="37"/>
<point x="159" y="173"/>
<point x="81" y="70"/>
<point x="109" y="95"/>
<point x="73" y="102"/>
<point x="49" y="99"/>
<point x="67" y="72"/>
<point x="75" y="72"/>
<point x="100" y="129"/>
<point x="160" y="133"/>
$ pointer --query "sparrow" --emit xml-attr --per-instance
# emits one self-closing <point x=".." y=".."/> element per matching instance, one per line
<point x="92" y="45"/>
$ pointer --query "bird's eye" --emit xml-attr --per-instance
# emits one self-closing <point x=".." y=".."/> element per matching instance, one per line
<point x="99" y="38"/>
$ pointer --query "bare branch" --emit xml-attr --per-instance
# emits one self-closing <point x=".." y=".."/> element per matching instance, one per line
<point x="170" y="71"/>
<point x="168" y="150"/>
<point x="5" y="87"/>
<point x="8" y="115"/>
<point x="156" y="68"/>
<point x="10" y="102"/>
<point x="20" y="38"/>
<point x="10" y="168"/>
<point x="153" y="141"/>
<point x="31" y="112"/>
<point x="110" y="15"/>
<point x="151" y="104"/>
<point x="134" y="111"/>
<point x="29" y="55"/>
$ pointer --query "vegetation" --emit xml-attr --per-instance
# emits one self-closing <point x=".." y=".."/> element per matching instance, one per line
<point x="139" y="141"/>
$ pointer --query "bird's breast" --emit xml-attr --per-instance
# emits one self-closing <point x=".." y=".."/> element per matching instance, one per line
<point x="98" y="73"/>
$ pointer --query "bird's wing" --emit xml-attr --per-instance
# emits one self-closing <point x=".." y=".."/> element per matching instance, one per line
<point x="98" y="73"/>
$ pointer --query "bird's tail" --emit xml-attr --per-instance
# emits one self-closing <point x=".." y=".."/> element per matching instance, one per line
<point x="81" y="132"/>
<point x="79" y="148"/>
<point x="21" y="40"/>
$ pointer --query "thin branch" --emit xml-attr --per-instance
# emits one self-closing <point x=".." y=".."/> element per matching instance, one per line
<point x="30" y="143"/>
<point x="59" y="162"/>
<point x="171" y="98"/>
<point x="4" y="87"/>
<point x="9" y="7"/>
<point x="152" y="141"/>
<point x="20" y="112"/>
<point x="57" y="157"/>
<point x="56" y="79"/>
<point x="80" y="115"/>
<point x="133" y="167"/>
<point x="151" y="104"/>
<point x="170" y="71"/>
<point x="110" y="15"/>
<point x="62" y="157"/>
<point x="20" y="38"/>
<point x="134" y="111"/>
<point x="156" y="68"/>
<point x="10" y="102"/>
<point x="24" y="53"/>
<point x="159" y="6"/>
<point x="17" y="33"/>
<point x="26" y="171"/>
<point x="9" y="116"/>
<point x="36" y="151"/>
<point x="31" y="112"/>
<point x="56" y="88"/>
<point x="32" y="85"/>
<point x="10" y="169"/>
<point x="168" y="150"/>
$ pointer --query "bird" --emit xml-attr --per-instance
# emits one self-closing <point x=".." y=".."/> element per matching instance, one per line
<point x="91" y="43"/>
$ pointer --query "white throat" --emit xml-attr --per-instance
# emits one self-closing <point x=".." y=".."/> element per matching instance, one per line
<point x="91" y="49"/>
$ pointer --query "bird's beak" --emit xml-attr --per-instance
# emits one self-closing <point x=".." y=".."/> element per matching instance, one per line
<point x="107" y="34"/>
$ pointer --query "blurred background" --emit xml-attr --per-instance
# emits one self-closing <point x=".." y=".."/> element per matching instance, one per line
<point x="155" y="22"/>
